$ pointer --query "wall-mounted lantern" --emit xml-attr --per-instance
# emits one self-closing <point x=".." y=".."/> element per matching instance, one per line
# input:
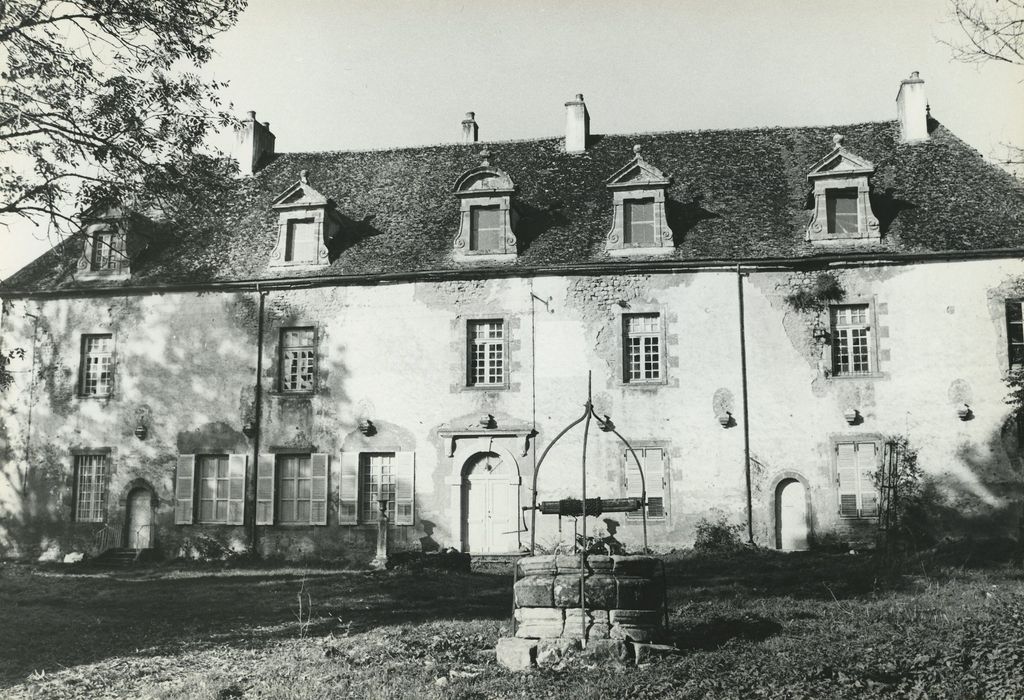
<point x="851" y="415"/>
<point x="140" y="431"/>
<point x="487" y="421"/>
<point x="249" y="429"/>
<point x="819" y="333"/>
<point x="606" y="425"/>
<point x="725" y="419"/>
<point x="366" y="427"/>
<point x="964" y="412"/>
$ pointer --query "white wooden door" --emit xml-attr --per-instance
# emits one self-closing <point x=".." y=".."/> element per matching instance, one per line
<point x="490" y="507"/>
<point x="792" y="516"/>
<point x="140" y="519"/>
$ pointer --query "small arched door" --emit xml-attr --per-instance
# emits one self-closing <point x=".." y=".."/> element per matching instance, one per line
<point x="489" y="503"/>
<point x="791" y="530"/>
<point x="140" y="519"/>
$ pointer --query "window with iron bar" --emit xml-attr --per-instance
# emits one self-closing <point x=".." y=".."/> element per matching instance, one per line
<point x="214" y="488"/>
<point x="298" y="359"/>
<point x="642" y="347"/>
<point x="96" y="372"/>
<point x="486" y="352"/>
<point x="852" y="348"/>
<point x="90" y="488"/>
<point x="1015" y="331"/>
<point x="376" y="483"/>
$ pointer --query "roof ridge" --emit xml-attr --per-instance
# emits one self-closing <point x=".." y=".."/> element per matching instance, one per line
<point x="539" y="139"/>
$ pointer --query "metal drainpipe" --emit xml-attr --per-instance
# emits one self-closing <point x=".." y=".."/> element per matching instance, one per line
<point x="746" y="413"/>
<point x="257" y="419"/>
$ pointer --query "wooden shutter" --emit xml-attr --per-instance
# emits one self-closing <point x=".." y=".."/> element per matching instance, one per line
<point x="654" y="471"/>
<point x="867" y="465"/>
<point x="236" y="488"/>
<point x="265" y="469"/>
<point x="846" y="469"/>
<point x="348" y="489"/>
<point x="318" y="489"/>
<point x="405" y="487"/>
<point x="184" y="489"/>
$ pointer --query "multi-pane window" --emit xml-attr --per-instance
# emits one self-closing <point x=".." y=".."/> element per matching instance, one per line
<point x="486" y="352"/>
<point x="856" y="464"/>
<point x="1015" y="331"/>
<point x="106" y="251"/>
<point x="214" y="488"/>
<point x="298" y="359"/>
<point x="294" y="488"/>
<point x="841" y="210"/>
<point x="642" y="347"/>
<point x="851" y="340"/>
<point x="376" y="482"/>
<point x="96" y="373"/>
<point x="485" y="228"/>
<point x="90" y="488"/>
<point x="653" y="461"/>
<point x="638" y="222"/>
<point x="300" y="243"/>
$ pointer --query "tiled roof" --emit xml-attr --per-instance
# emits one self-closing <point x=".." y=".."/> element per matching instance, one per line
<point x="734" y="195"/>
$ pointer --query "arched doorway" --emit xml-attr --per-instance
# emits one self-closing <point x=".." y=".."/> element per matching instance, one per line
<point x="139" y="520"/>
<point x="791" y="530"/>
<point x="490" y="500"/>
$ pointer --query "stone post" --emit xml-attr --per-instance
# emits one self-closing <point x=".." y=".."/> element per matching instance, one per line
<point x="380" y="562"/>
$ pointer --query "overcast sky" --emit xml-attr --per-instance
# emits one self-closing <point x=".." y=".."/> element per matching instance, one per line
<point x="376" y="74"/>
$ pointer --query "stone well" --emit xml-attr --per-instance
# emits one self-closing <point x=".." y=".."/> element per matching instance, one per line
<point x="624" y="598"/>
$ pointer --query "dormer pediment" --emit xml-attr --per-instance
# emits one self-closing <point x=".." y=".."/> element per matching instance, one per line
<point x="485" y="181"/>
<point x="300" y="195"/>
<point x="841" y="163"/>
<point x="638" y="174"/>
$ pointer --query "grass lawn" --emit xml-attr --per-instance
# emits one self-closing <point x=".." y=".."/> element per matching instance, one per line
<point x="752" y="624"/>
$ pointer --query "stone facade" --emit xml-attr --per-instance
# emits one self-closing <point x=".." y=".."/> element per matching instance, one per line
<point x="394" y="356"/>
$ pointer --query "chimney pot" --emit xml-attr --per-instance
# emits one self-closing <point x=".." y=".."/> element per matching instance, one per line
<point x="470" y="129"/>
<point x="577" y="125"/>
<point x="912" y="109"/>
<point x="254" y="142"/>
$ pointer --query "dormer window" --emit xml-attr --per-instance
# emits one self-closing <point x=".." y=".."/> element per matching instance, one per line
<point x="486" y="215"/>
<point x="485" y="230"/>
<point x="306" y="223"/>
<point x="842" y="202"/>
<point x="639" y="225"/>
<point x="105" y="249"/>
<point x="300" y="245"/>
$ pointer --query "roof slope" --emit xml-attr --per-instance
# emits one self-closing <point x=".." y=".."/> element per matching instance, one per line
<point x="734" y="195"/>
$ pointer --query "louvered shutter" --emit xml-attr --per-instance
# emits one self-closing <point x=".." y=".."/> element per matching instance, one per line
<point x="236" y="488"/>
<point x="654" y="471"/>
<point x="633" y="488"/>
<point x="846" y="468"/>
<point x="184" y="489"/>
<point x="867" y="465"/>
<point x="348" y="489"/>
<point x="318" y="489"/>
<point x="405" y="485"/>
<point x="265" y="490"/>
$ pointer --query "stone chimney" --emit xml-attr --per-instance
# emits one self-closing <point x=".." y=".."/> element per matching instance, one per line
<point x="577" y="125"/>
<point x="470" y="129"/>
<point x="912" y="109"/>
<point x="254" y="145"/>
